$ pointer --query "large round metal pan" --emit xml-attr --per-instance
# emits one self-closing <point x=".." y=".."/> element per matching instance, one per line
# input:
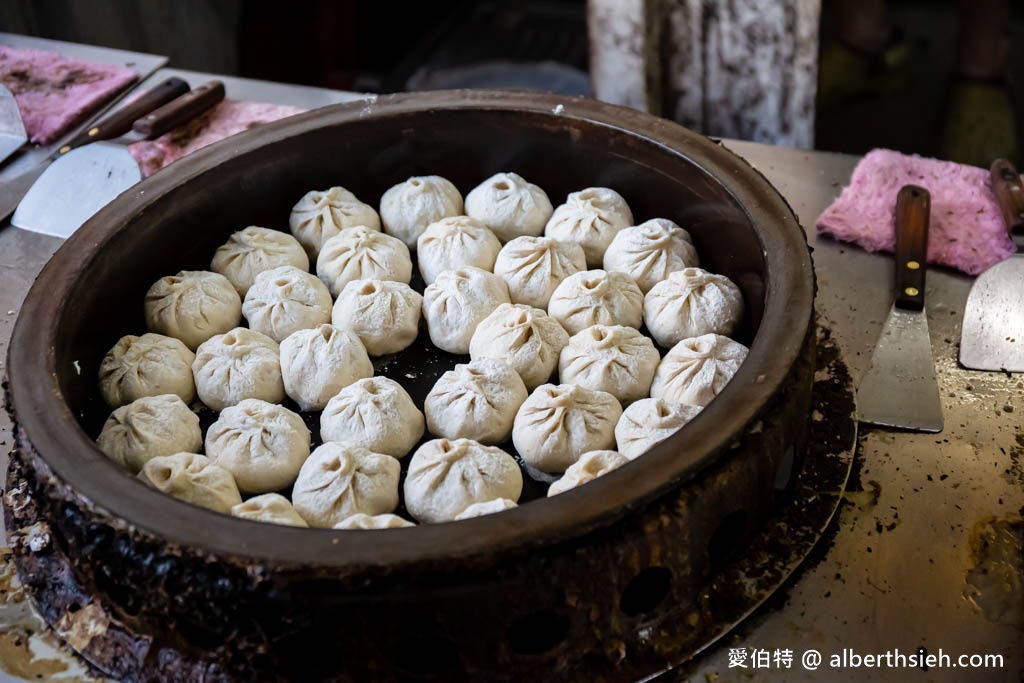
<point x="90" y="293"/>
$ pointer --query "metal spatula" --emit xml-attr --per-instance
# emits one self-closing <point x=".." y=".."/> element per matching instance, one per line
<point x="12" y="129"/>
<point x="85" y="180"/>
<point x="992" y="337"/>
<point x="110" y="126"/>
<point x="900" y="389"/>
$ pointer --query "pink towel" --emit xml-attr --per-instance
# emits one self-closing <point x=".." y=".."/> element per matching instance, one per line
<point x="55" y="93"/>
<point x="224" y="120"/>
<point x="966" y="230"/>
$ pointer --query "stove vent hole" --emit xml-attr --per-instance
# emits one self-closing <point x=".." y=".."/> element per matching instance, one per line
<point x="646" y="591"/>
<point x="537" y="632"/>
<point x="728" y="537"/>
<point x="428" y="655"/>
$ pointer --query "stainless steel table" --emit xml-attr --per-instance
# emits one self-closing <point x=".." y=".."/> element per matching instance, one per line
<point x="894" y="576"/>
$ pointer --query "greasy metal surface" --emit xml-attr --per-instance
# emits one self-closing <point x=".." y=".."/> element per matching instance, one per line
<point x="143" y="64"/>
<point x="899" y="389"/>
<point x="917" y="498"/>
<point x="894" y="571"/>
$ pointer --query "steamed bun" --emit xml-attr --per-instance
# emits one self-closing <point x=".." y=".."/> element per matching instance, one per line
<point x="237" y="365"/>
<point x="409" y="207"/>
<point x="447" y="477"/>
<point x="596" y="297"/>
<point x="272" y="508"/>
<point x="690" y="303"/>
<point x="589" y="467"/>
<point x="340" y="480"/>
<point x="526" y="338"/>
<point x="696" y="370"/>
<point x="193" y="479"/>
<point x="362" y="254"/>
<point x="533" y="267"/>
<point x="510" y="206"/>
<point x="363" y="521"/>
<point x="457" y="302"/>
<point x="254" y="250"/>
<point x="147" y="428"/>
<point x="376" y="414"/>
<point x="558" y="424"/>
<point x="488" y="508"/>
<point x="284" y="300"/>
<point x="648" y="422"/>
<point x="261" y="444"/>
<point x="649" y="252"/>
<point x="384" y="315"/>
<point x="317" y="363"/>
<point x="615" y="359"/>
<point x="455" y="242"/>
<point x="476" y="401"/>
<point x="192" y="306"/>
<point x="320" y="215"/>
<point x="150" y="365"/>
<point x="590" y="218"/>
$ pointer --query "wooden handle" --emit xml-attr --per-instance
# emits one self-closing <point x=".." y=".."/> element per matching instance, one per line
<point x="119" y="122"/>
<point x="180" y="111"/>
<point x="1007" y="188"/>
<point x="913" y="205"/>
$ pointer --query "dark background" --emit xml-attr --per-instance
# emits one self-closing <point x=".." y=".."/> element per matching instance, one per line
<point x="379" y="46"/>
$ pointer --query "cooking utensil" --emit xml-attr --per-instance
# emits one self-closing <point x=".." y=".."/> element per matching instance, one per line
<point x="85" y="180"/>
<point x="12" y="129"/>
<point x="992" y="336"/>
<point x="114" y="124"/>
<point x="579" y="566"/>
<point x="900" y="389"/>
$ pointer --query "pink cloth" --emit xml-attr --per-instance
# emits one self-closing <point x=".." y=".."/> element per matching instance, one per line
<point x="55" y="93"/>
<point x="224" y="120"/>
<point x="966" y="230"/>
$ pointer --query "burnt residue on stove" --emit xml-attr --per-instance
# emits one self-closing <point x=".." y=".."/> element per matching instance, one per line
<point x="22" y="80"/>
<point x="806" y="520"/>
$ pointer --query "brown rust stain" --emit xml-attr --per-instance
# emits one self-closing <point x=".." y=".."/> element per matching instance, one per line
<point x="17" y="658"/>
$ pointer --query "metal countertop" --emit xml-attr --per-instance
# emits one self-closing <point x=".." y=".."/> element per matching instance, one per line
<point x="898" y="555"/>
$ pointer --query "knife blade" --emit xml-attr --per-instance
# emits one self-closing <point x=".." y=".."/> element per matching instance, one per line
<point x="112" y="125"/>
<point x="900" y="388"/>
<point x="85" y="180"/>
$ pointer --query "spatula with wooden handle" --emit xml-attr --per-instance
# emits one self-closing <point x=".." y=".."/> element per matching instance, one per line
<point x="117" y="122"/>
<point x="992" y="336"/>
<point x="85" y="180"/>
<point x="900" y="388"/>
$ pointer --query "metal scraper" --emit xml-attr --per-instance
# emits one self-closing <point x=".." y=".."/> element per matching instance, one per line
<point x="900" y="389"/>
<point x="12" y="129"/>
<point x="110" y="126"/>
<point x="992" y="337"/>
<point x="84" y="180"/>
